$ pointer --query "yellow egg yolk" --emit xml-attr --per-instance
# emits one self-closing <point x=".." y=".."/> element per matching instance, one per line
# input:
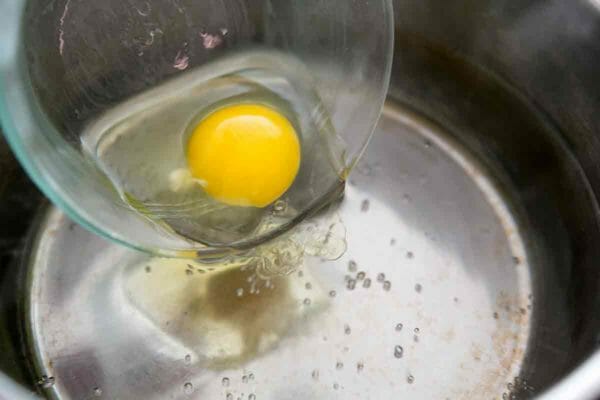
<point x="244" y="155"/>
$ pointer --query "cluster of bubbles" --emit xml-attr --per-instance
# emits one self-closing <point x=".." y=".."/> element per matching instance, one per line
<point x="352" y="280"/>
<point x="362" y="278"/>
<point x="246" y="378"/>
<point x="516" y="387"/>
<point x="46" y="382"/>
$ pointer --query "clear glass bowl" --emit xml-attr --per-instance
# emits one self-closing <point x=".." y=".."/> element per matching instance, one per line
<point x="69" y="69"/>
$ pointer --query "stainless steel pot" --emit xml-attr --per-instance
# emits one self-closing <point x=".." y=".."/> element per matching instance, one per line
<point x="481" y="182"/>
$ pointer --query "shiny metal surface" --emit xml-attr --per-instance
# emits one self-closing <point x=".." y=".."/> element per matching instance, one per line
<point x="515" y="84"/>
<point x="19" y="202"/>
<point x="418" y="209"/>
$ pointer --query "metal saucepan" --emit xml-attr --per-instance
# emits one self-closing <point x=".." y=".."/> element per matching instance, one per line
<point x="476" y="199"/>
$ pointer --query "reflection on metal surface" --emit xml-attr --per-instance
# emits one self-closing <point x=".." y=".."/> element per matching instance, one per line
<point x="595" y="3"/>
<point x="105" y="318"/>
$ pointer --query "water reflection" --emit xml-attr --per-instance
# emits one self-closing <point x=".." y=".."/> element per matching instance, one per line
<point x="227" y="316"/>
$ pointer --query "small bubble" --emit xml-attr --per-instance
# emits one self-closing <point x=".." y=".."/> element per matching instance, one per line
<point x="332" y="293"/>
<point x="398" y="351"/>
<point x="347" y="329"/>
<point x="229" y="396"/>
<point x="251" y="376"/>
<point x="148" y="269"/>
<point x="367" y="283"/>
<point x="245" y="379"/>
<point x="509" y="386"/>
<point x="415" y="338"/>
<point x="300" y="274"/>
<point x="504" y="396"/>
<point x="496" y="315"/>
<point x="392" y="241"/>
<point x="516" y="260"/>
<point x="252" y="396"/>
<point x="364" y="206"/>
<point x="360" y="366"/>
<point x="352" y="266"/>
<point x="279" y="206"/>
<point x="336" y="386"/>
<point x="225" y="382"/>
<point x="308" y="286"/>
<point x="346" y="349"/>
<point x="351" y="284"/>
<point x="380" y="277"/>
<point x="306" y="302"/>
<point x="145" y="12"/>
<point x="188" y="359"/>
<point x="97" y="392"/>
<point x="428" y="143"/>
<point x="416" y="330"/>
<point x="410" y="379"/>
<point x="189" y="272"/>
<point x="339" y="365"/>
<point x="188" y="388"/>
<point x="418" y="288"/>
<point x="410" y="255"/>
<point x="399" y="327"/>
<point x="315" y="374"/>
<point x="361" y="275"/>
<point x="387" y="285"/>
<point x="46" y="382"/>
<point x="239" y="292"/>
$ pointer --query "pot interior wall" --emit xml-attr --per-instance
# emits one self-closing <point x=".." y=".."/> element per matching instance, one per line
<point x="513" y="84"/>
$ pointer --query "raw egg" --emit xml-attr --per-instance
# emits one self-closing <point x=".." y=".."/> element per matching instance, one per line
<point x="244" y="154"/>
